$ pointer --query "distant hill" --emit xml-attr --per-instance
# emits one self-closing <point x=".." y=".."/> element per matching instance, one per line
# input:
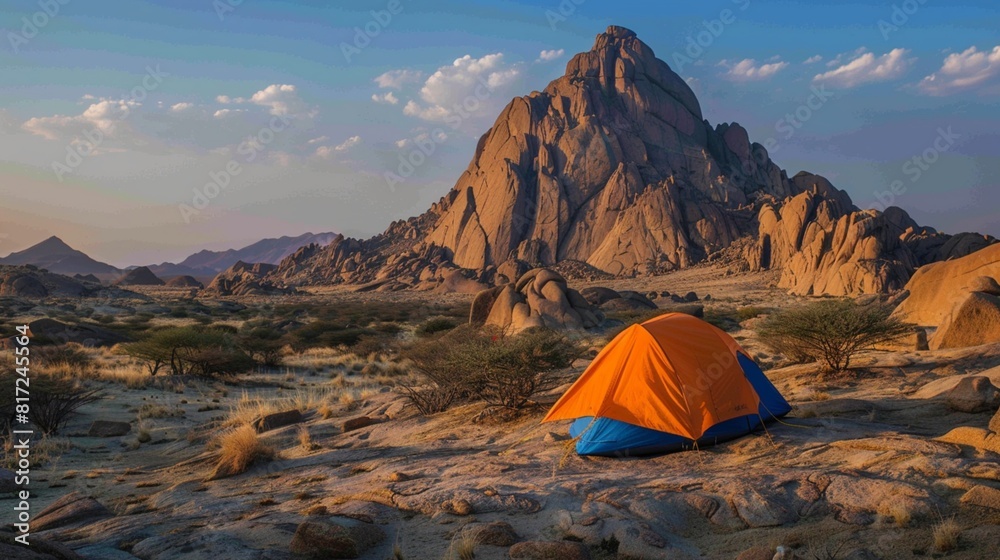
<point x="141" y="276"/>
<point x="210" y="263"/>
<point x="56" y="256"/>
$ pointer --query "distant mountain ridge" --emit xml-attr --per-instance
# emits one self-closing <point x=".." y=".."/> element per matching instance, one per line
<point x="56" y="256"/>
<point x="270" y="251"/>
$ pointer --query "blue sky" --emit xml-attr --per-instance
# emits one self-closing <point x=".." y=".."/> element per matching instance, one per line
<point x="171" y="93"/>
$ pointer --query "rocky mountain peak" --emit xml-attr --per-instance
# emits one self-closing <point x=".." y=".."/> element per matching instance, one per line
<point x="613" y="167"/>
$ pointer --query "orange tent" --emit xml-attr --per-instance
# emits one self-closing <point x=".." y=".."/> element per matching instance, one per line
<point x="675" y="374"/>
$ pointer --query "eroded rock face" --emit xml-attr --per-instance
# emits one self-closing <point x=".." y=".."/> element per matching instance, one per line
<point x="974" y="321"/>
<point x="613" y="167"/>
<point x="539" y="298"/>
<point x="244" y="279"/>
<point x="824" y="245"/>
<point x="612" y="164"/>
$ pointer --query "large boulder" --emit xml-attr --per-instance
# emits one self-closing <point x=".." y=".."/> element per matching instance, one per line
<point x="540" y="298"/>
<point x="327" y="539"/>
<point x="974" y="321"/>
<point x="974" y="394"/>
<point x="937" y="289"/>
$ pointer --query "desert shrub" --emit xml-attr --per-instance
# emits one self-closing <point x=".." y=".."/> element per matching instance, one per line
<point x="191" y="351"/>
<point x="327" y="333"/>
<point x="70" y="355"/>
<point x="750" y="312"/>
<point x="725" y="318"/>
<point x="53" y="401"/>
<point x="484" y="364"/>
<point x="239" y="449"/>
<point x="831" y="331"/>
<point x="371" y="344"/>
<point x="436" y="325"/>
<point x="262" y="344"/>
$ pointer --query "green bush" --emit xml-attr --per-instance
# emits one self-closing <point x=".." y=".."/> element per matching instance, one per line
<point x="483" y="364"/>
<point x="191" y="351"/>
<point x="831" y="331"/>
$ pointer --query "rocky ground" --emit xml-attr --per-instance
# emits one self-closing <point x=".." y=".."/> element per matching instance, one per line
<point x="868" y="465"/>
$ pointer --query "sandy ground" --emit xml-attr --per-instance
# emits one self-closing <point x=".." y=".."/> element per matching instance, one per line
<point x="837" y="475"/>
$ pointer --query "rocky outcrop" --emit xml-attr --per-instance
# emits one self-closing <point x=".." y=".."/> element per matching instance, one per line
<point x="974" y="321"/>
<point x="539" y="298"/>
<point x="30" y="282"/>
<point x="612" y="167"/>
<point x="824" y="245"/>
<point x="140" y="276"/>
<point x="612" y="164"/>
<point x="937" y="289"/>
<point x="243" y="279"/>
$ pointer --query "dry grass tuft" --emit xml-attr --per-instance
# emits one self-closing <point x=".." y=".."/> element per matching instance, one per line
<point x="896" y="511"/>
<point x="239" y="449"/>
<point x="463" y="547"/>
<point x="946" y="535"/>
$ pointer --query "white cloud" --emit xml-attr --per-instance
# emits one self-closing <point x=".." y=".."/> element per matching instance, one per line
<point x="813" y="59"/>
<point x="963" y="71"/>
<point x="395" y="79"/>
<point x="462" y="87"/>
<point x="403" y="143"/>
<point x="389" y="98"/>
<point x="179" y="107"/>
<point x="223" y="113"/>
<point x="345" y="145"/>
<point x="226" y="100"/>
<point x="280" y="100"/>
<point x="318" y="140"/>
<point x="748" y="69"/>
<point x="104" y="116"/>
<point x="867" y="68"/>
<point x="550" y="55"/>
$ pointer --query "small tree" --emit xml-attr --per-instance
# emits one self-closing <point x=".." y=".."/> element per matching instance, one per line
<point x="832" y="331"/>
<point x="503" y="370"/>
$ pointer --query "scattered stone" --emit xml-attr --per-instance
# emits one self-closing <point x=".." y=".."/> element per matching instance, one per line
<point x="277" y="420"/>
<point x="973" y="394"/>
<point x="70" y="509"/>
<point x="498" y="533"/>
<point x="107" y="428"/>
<point x="358" y="423"/>
<point x="549" y="550"/>
<point x="690" y="297"/>
<point x="327" y="539"/>
<point x="458" y="506"/>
